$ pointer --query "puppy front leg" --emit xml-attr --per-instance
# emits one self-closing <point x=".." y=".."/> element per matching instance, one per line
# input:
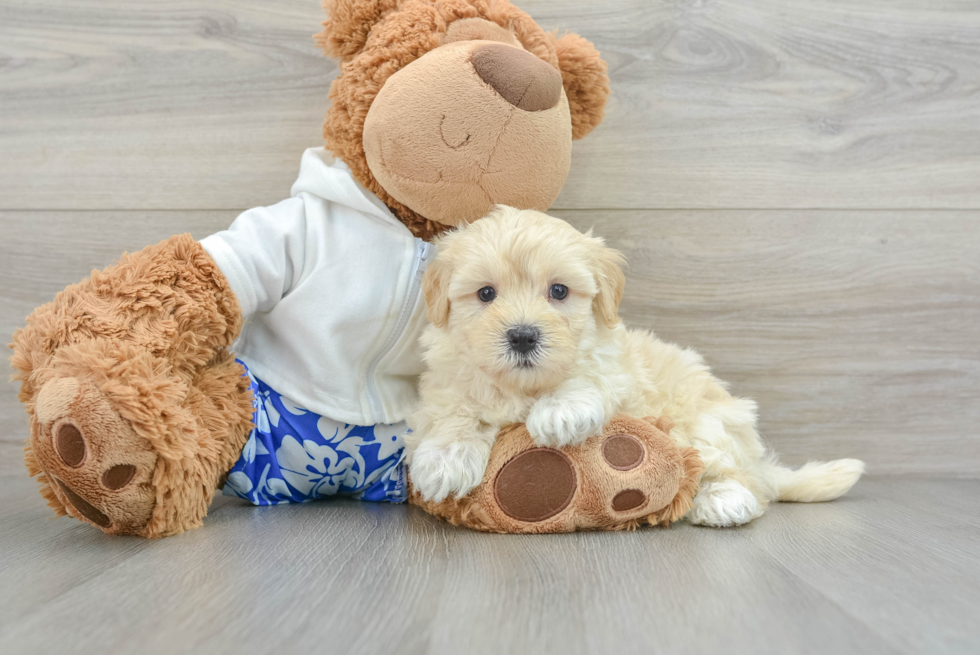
<point x="568" y="415"/>
<point x="451" y="457"/>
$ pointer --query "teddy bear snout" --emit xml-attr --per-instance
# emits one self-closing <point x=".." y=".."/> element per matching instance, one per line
<point x="522" y="79"/>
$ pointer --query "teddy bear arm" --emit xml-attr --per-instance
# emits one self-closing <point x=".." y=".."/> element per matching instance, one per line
<point x="169" y="298"/>
<point x="136" y="406"/>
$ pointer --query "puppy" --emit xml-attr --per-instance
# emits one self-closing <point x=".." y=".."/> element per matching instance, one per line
<point x="525" y="328"/>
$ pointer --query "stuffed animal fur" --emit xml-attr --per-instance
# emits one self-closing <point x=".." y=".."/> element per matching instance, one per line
<point x="443" y="108"/>
<point x="631" y="475"/>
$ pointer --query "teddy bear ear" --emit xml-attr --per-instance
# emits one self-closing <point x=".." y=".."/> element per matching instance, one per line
<point x="586" y="82"/>
<point x="348" y="23"/>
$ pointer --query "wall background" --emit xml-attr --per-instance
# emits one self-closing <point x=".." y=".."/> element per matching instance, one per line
<point x="796" y="184"/>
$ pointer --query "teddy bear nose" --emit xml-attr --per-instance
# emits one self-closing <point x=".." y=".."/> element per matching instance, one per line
<point x="523" y="80"/>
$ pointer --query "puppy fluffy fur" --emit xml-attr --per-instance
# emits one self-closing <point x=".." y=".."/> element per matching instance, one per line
<point x="584" y="368"/>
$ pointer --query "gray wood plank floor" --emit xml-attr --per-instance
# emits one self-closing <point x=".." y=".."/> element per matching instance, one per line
<point x="892" y="568"/>
<point x="203" y="104"/>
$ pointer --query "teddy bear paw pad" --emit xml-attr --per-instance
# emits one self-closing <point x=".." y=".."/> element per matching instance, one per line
<point x="535" y="485"/>
<point x="623" y="452"/>
<point x="70" y="444"/>
<point x="628" y="499"/>
<point x="100" y="470"/>
<point x="84" y="507"/>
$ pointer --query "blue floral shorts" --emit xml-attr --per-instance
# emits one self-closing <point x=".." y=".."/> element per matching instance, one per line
<point x="294" y="455"/>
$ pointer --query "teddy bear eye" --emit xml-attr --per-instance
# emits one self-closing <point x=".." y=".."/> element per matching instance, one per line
<point x="486" y="294"/>
<point x="559" y="291"/>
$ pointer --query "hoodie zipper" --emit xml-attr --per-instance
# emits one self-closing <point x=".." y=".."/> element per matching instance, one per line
<point x="422" y="252"/>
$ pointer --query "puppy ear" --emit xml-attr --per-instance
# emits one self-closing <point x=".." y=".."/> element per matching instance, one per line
<point x="611" y="281"/>
<point x="435" y="286"/>
<point x="348" y="24"/>
<point x="583" y="74"/>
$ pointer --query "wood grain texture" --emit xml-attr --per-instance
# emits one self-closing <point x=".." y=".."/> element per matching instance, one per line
<point x="183" y="104"/>
<point x="207" y="104"/>
<point x="890" y="534"/>
<point x="776" y="104"/>
<point x="855" y="331"/>
<point x="14" y="434"/>
<point x="350" y="577"/>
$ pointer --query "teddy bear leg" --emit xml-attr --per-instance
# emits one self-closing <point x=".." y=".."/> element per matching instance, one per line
<point x="120" y="443"/>
<point x="647" y="478"/>
<point x="632" y="474"/>
<point x="97" y="468"/>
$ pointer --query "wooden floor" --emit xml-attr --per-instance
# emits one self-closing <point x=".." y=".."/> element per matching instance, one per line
<point x="892" y="568"/>
<point x="796" y="184"/>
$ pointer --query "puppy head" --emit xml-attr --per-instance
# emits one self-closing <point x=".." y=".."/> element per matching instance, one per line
<point x="520" y="295"/>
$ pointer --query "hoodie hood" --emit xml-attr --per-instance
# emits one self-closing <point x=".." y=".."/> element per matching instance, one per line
<point x="323" y="175"/>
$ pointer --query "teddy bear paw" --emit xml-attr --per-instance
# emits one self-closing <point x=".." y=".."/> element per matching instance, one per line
<point x="632" y="474"/>
<point x="97" y="467"/>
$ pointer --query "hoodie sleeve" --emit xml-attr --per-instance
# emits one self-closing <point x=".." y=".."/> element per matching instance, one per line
<point x="262" y="253"/>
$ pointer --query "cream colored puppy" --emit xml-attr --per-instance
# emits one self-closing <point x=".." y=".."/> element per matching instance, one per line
<point x="525" y="329"/>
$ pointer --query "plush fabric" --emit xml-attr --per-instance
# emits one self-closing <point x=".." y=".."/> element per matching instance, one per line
<point x="583" y="73"/>
<point x="631" y="475"/>
<point x="377" y="40"/>
<point x="135" y="358"/>
<point x="454" y="151"/>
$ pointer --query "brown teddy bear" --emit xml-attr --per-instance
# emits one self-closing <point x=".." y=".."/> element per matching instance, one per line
<point x="138" y="409"/>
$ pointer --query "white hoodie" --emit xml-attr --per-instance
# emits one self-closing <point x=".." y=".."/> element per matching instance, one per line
<point x="329" y="282"/>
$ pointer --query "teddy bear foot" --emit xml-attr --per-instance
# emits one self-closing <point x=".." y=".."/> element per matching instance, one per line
<point x="97" y="469"/>
<point x="632" y="474"/>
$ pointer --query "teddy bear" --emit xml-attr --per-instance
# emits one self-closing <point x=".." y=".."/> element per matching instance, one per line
<point x="278" y="359"/>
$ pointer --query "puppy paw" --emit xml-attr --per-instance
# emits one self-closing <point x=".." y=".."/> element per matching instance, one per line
<point x="554" y="422"/>
<point x="451" y="469"/>
<point x="724" y="504"/>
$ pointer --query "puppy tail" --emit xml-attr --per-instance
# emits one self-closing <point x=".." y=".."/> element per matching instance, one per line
<point x="816" y="482"/>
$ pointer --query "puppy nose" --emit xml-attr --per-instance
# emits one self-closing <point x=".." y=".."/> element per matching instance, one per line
<point x="523" y="80"/>
<point x="523" y="338"/>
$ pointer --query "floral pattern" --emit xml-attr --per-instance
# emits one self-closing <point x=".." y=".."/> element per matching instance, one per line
<point x="294" y="455"/>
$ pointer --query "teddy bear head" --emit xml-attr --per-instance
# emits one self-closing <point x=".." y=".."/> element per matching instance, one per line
<point x="445" y="108"/>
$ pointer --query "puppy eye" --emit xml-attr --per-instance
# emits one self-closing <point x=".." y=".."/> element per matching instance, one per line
<point x="559" y="291"/>
<point x="486" y="294"/>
